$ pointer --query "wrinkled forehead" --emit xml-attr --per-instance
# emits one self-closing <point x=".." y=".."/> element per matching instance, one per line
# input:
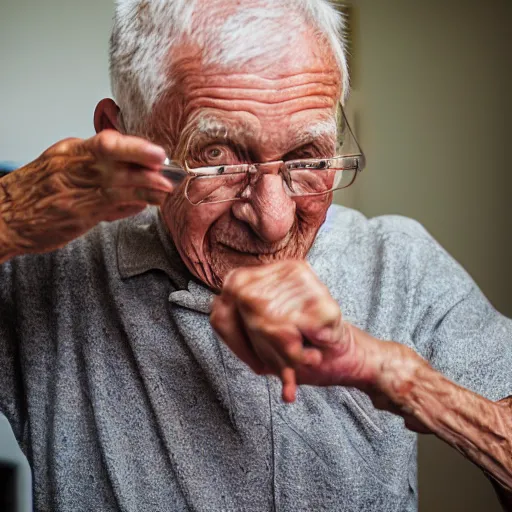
<point x="251" y="80"/>
<point x="276" y="115"/>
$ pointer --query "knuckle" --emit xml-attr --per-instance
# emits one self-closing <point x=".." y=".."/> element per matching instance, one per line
<point x="331" y="309"/>
<point x="218" y="315"/>
<point x="236" y="280"/>
<point x="252" y="294"/>
<point x="106" y="142"/>
<point x="105" y="195"/>
<point x="292" y="352"/>
<point x="64" y="146"/>
<point x="215" y="319"/>
<point x="257" y="325"/>
<point x="304" y="266"/>
<point x="300" y="266"/>
<point x="308" y="275"/>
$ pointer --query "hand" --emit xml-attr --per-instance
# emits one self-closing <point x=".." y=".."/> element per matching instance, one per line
<point x="73" y="186"/>
<point x="280" y="319"/>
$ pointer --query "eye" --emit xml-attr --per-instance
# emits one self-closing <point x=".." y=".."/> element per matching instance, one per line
<point x="320" y="148"/>
<point x="217" y="155"/>
<point x="305" y="152"/>
<point x="213" y="155"/>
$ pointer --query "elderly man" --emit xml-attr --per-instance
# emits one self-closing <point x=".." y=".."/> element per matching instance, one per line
<point x="117" y="387"/>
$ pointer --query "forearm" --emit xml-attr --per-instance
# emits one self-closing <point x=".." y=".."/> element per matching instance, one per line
<point x="9" y="248"/>
<point x="480" y="429"/>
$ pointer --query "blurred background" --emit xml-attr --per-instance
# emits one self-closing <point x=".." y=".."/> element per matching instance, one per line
<point x="431" y="105"/>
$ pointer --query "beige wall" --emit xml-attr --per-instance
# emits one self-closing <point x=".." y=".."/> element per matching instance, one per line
<point x="54" y="58"/>
<point x="429" y="103"/>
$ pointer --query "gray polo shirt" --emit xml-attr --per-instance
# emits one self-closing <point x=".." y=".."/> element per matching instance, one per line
<point x="122" y="397"/>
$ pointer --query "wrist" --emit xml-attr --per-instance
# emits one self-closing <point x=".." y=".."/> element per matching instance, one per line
<point x="399" y="374"/>
<point x="379" y="364"/>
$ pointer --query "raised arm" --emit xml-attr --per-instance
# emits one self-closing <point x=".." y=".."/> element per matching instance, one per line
<point x="280" y="319"/>
<point x="430" y="403"/>
<point x="73" y="186"/>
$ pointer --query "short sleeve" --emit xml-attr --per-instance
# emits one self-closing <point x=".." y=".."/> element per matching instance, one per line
<point x="472" y="345"/>
<point x="11" y="395"/>
<point x="458" y="330"/>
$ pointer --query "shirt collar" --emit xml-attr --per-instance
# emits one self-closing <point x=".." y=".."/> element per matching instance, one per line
<point x="144" y="245"/>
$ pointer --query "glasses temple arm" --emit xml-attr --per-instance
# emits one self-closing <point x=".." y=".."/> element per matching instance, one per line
<point x="347" y="124"/>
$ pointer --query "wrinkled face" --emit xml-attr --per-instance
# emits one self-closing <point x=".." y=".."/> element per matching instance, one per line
<point x="264" y="111"/>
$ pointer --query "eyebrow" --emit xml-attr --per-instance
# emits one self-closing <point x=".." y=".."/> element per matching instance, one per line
<point x="213" y="128"/>
<point x="321" y="129"/>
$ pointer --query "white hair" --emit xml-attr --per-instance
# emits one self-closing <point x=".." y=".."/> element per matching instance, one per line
<point x="327" y="127"/>
<point x="146" y="31"/>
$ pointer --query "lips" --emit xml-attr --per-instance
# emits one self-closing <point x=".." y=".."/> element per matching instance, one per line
<point x="253" y="250"/>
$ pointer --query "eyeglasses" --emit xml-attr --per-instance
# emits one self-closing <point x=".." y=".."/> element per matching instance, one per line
<point x="304" y="177"/>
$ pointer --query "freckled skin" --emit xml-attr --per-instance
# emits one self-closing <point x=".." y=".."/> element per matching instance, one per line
<point x="301" y="87"/>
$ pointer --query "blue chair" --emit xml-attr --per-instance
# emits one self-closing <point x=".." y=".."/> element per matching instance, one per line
<point x="7" y="167"/>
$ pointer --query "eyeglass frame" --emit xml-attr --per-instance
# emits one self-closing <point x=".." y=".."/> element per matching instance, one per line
<point x="351" y="162"/>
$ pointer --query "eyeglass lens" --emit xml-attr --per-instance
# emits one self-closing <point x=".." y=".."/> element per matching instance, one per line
<point x="300" y="182"/>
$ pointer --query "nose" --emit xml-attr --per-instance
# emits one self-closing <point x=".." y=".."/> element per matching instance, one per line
<point x="267" y="208"/>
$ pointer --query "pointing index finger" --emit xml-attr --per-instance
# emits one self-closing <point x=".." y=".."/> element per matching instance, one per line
<point x="112" y="145"/>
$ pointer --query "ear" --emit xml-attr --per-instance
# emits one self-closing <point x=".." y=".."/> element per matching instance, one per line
<point x="106" y="116"/>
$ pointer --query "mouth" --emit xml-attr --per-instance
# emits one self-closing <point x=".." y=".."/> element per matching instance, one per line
<point x="256" y="251"/>
<point x="245" y="252"/>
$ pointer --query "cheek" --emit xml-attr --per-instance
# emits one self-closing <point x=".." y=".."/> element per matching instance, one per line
<point x="189" y="224"/>
<point x="311" y="211"/>
<point x="209" y="189"/>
